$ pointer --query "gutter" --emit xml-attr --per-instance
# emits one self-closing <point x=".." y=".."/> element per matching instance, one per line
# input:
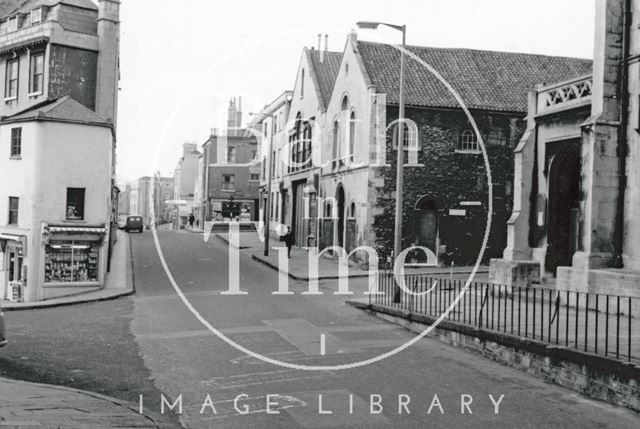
<point x="622" y="149"/>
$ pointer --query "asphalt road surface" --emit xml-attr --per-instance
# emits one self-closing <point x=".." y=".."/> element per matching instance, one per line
<point x="153" y="345"/>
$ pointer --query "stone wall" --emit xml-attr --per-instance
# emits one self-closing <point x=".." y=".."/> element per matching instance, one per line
<point x="593" y="376"/>
<point x="451" y="177"/>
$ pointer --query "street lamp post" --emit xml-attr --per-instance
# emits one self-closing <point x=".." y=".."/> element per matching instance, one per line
<point x="397" y="242"/>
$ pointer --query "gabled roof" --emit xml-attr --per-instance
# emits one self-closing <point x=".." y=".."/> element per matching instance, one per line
<point x="486" y="80"/>
<point x="63" y="109"/>
<point x="324" y="69"/>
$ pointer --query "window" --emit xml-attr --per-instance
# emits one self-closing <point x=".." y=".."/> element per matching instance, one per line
<point x="13" y="210"/>
<point x="302" y="84"/>
<point x="407" y="136"/>
<point x="11" y="83"/>
<point x="231" y="154"/>
<point x="336" y="140"/>
<point x="352" y="134"/>
<point x="36" y="16"/>
<point x="16" y="142"/>
<point x="468" y="142"/>
<point x="228" y="182"/>
<point x="12" y="24"/>
<point x="75" y="203"/>
<point x="255" y="177"/>
<point x="36" y="73"/>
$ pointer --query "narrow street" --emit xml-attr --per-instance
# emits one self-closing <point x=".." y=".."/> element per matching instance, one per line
<point x="151" y="345"/>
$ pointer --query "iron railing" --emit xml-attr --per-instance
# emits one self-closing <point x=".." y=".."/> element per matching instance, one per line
<point x="595" y="323"/>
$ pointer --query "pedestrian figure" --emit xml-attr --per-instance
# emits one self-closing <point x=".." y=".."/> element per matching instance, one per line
<point x="288" y="240"/>
<point x="192" y="219"/>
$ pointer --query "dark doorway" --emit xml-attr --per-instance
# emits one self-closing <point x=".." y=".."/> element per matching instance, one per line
<point x="564" y="204"/>
<point x="426" y="218"/>
<point x="297" y="217"/>
<point x="340" y="201"/>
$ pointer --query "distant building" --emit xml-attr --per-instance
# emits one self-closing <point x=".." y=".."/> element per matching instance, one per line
<point x="184" y="183"/>
<point x="59" y="64"/>
<point x="163" y="194"/>
<point x="231" y="173"/>
<point x="124" y="199"/>
<point x="271" y="123"/>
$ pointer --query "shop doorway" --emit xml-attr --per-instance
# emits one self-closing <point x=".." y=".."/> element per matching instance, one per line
<point x="564" y="203"/>
<point x="340" y="202"/>
<point x="14" y="266"/>
<point x="297" y="216"/>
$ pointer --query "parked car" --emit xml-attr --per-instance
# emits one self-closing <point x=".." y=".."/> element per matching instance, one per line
<point x="134" y="223"/>
<point x="3" y="338"/>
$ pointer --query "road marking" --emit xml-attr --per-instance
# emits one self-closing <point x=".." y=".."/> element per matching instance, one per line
<point x="322" y="344"/>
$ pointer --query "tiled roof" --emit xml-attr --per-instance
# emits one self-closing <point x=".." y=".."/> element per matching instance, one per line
<point x="9" y="7"/>
<point x="325" y="71"/>
<point x="64" y="109"/>
<point x="486" y="80"/>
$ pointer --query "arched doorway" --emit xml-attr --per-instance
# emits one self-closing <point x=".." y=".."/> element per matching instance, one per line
<point x="564" y="204"/>
<point x="340" y="202"/>
<point x="426" y="227"/>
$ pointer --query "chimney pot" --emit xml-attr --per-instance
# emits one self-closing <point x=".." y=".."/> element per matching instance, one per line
<point x="326" y="42"/>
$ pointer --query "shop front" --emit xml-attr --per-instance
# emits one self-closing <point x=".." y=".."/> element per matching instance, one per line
<point x="74" y="257"/>
<point x="13" y="267"/>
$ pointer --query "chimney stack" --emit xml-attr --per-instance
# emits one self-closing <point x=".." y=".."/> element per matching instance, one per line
<point x="326" y="42"/>
<point x="319" y="42"/>
<point x="108" y="59"/>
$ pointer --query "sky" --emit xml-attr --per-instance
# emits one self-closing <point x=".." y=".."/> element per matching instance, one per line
<point x="181" y="61"/>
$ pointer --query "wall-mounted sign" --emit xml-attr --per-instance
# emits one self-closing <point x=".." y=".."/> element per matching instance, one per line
<point x="470" y="203"/>
<point x="457" y="212"/>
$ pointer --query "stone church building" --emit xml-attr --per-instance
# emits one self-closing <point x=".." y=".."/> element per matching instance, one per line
<point x="577" y="171"/>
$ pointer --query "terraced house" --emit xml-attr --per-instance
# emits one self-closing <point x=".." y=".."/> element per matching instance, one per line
<point x="59" y="65"/>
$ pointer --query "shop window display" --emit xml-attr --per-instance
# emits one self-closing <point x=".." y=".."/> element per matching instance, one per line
<point x="71" y="262"/>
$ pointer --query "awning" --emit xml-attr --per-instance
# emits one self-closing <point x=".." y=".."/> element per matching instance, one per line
<point x="10" y="237"/>
<point x="78" y="229"/>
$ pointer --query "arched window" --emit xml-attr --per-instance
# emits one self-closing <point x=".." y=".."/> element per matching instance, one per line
<point x="302" y="84"/>
<point x="345" y="103"/>
<point x="352" y="210"/>
<point x="468" y="142"/>
<point x="352" y="134"/>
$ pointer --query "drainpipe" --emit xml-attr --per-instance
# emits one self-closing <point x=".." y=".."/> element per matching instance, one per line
<point x="623" y="91"/>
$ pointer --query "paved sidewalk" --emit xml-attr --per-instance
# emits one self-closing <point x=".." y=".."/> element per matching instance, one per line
<point x="327" y="268"/>
<point x="32" y="405"/>
<point x="119" y="282"/>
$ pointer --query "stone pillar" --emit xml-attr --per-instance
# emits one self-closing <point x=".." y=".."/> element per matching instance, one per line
<point x="518" y="225"/>
<point x="108" y="59"/>
<point x="516" y="268"/>
<point x="599" y="182"/>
